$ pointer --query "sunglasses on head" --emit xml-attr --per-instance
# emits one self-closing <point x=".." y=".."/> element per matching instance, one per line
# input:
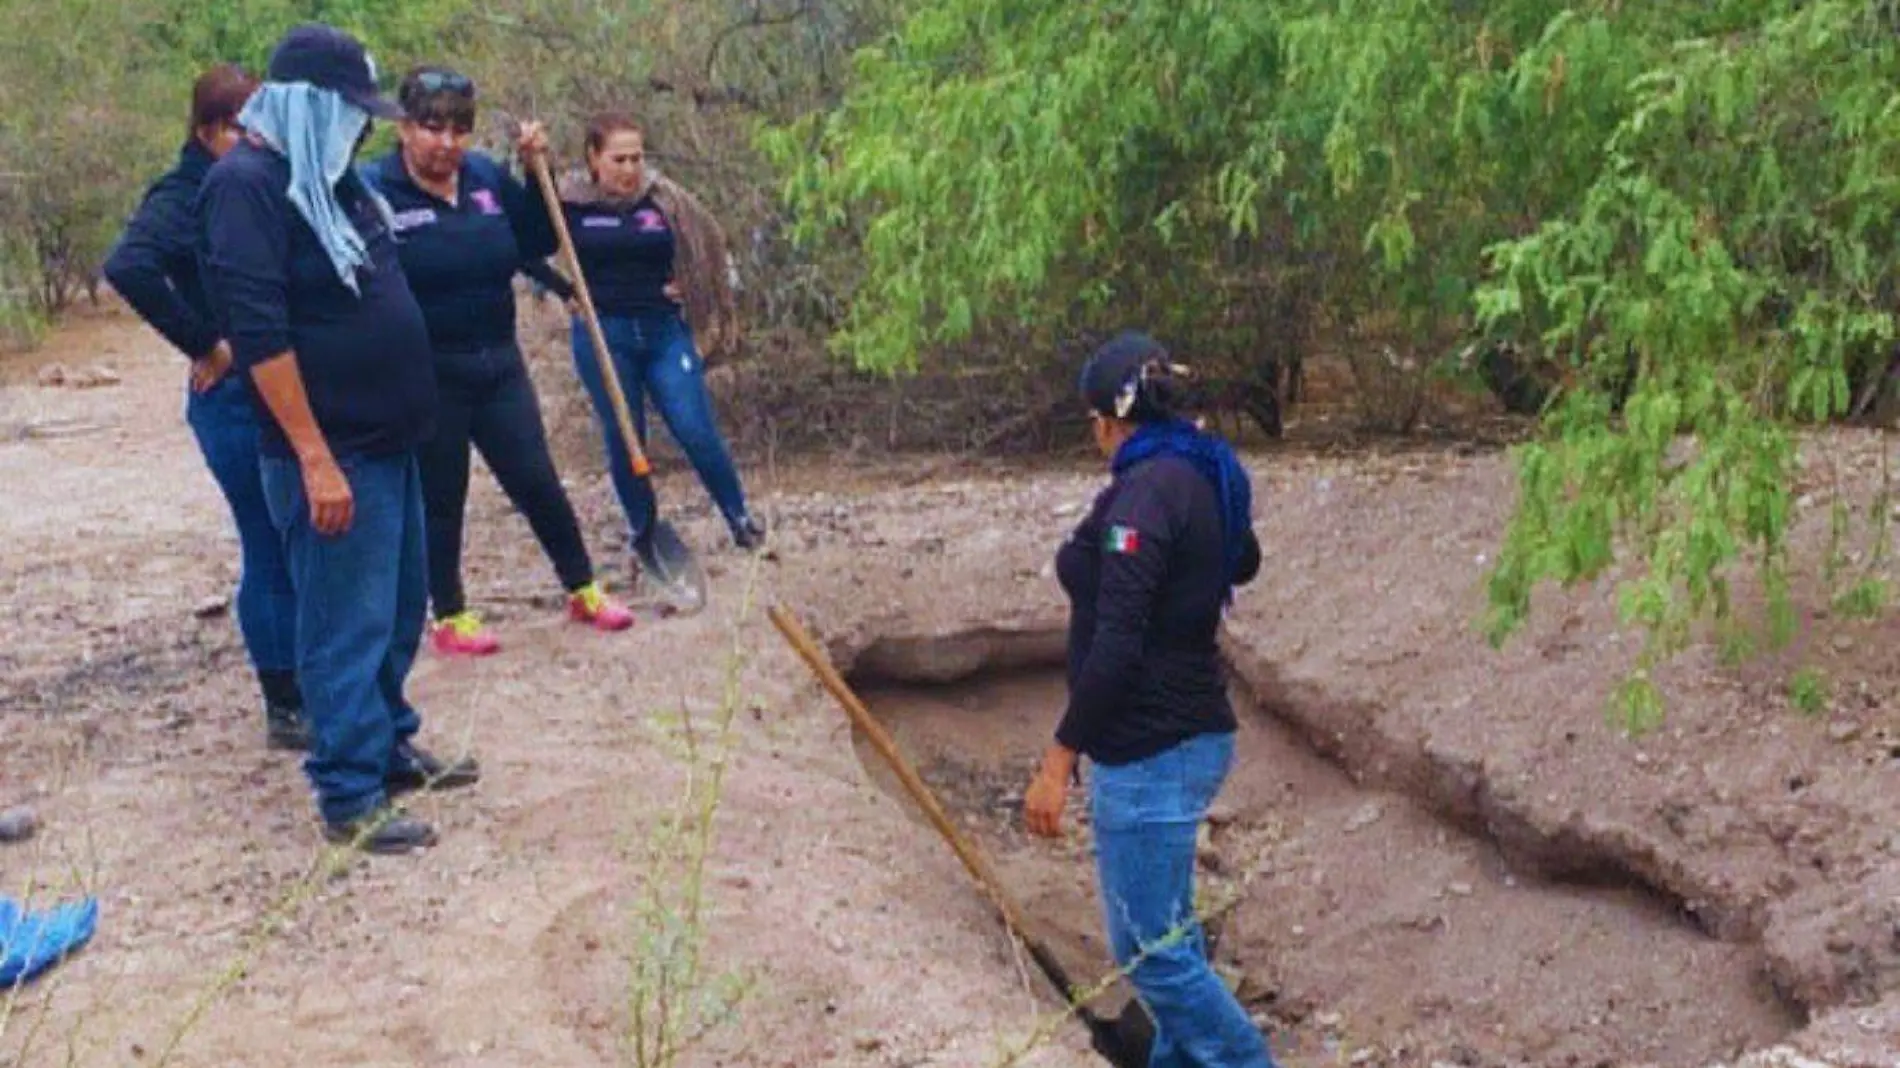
<point x="444" y="81"/>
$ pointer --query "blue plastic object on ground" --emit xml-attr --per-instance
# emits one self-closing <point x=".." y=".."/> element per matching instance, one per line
<point x="33" y="941"/>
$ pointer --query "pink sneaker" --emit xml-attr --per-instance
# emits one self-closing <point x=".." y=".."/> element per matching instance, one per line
<point x="462" y="635"/>
<point x="589" y="605"/>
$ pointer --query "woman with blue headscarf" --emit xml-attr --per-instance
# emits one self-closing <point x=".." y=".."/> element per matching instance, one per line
<point x="301" y="265"/>
<point x="1149" y="573"/>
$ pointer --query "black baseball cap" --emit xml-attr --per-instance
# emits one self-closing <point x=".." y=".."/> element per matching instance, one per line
<point x="1115" y="366"/>
<point x="329" y="58"/>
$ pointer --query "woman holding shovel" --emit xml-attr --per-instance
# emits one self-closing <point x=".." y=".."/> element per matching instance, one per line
<point x="656" y="265"/>
<point x="154" y="267"/>
<point x="1148" y="573"/>
<point x="465" y="228"/>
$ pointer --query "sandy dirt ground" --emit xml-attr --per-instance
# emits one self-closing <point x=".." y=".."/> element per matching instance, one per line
<point x="1442" y="854"/>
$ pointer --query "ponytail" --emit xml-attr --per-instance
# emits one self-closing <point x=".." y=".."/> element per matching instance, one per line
<point x="1134" y="379"/>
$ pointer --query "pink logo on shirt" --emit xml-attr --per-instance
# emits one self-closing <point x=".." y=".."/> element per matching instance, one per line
<point x="648" y="221"/>
<point x="485" y="200"/>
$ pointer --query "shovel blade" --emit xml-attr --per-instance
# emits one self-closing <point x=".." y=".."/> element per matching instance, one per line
<point x="670" y="567"/>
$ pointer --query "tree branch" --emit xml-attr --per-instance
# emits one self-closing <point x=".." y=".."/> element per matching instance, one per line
<point x="758" y="20"/>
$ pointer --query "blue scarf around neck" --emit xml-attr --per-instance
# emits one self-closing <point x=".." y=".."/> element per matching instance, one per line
<point x="1216" y="462"/>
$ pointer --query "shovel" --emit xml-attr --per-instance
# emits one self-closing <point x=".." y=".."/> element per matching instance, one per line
<point x="659" y="553"/>
<point x="1124" y="1040"/>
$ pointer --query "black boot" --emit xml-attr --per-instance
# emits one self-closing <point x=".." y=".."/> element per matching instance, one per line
<point x="386" y="830"/>
<point x="748" y="534"/>
<point x="284" y="726"/>
<point x="413" y="768"/>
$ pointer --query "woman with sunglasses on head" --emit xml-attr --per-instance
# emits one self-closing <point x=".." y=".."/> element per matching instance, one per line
<point x="465" y="228"/>
<point x="658" y="272"/>
<point x="154" y="267"/>
<point x="1149" y="572"/>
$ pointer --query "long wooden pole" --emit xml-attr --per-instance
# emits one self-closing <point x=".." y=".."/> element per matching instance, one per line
<point x="1104" y="1032"/>
<point x="602" y="355"/>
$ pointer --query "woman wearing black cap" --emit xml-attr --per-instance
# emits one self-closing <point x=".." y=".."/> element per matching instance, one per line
<point x="465" y="228"/>
<point x="154" y="267"/>
<point x="1149" y="573"/>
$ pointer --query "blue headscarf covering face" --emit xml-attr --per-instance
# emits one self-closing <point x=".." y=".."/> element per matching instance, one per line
<point x="317" y="131"/>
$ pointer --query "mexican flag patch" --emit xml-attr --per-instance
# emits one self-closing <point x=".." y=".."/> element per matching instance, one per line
<point x="1124" y="540"/>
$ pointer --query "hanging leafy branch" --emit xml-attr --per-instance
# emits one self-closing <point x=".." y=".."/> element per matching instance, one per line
<point x="1002" y="159"/>
<point x="1680" y="209"/>
<point x="1738" y="241"/>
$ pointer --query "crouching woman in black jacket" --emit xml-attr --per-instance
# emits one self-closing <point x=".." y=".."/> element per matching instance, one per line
<point x="1148" y="574"/>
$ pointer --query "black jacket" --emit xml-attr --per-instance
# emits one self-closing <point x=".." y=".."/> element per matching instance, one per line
<point x="1146" y="586"/>
<point x="154" y="265"/>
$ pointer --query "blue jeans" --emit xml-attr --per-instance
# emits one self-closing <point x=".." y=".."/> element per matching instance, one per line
<point x="1146" y="817"/>
<point x="361" y="596"/>
<point x="225" y="425"/>
<point x="654" y="352"/>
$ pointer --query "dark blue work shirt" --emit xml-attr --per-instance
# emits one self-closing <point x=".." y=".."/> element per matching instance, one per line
<point x="364" y="359"/>
<point x="461" y="258"/>
<point x="626" y="253"/>
<point x="154" y="265"/>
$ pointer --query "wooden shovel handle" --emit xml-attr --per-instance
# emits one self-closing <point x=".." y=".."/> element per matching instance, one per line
<point x="861" y="717"/>
<point x="603" y="357"/>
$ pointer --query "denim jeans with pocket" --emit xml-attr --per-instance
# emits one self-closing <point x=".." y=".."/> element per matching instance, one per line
<point x="361" y="599"/>
<point x="1147" y="815"/>
<point x="225" y="426"/>
<point x="654" y="353"/>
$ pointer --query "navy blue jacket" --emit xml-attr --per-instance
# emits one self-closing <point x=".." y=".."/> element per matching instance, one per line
<point x="1146" y="581"/>
<point x="365" y="360"/>
<point x="154" y="265"/>
<point x="461" y="258"/>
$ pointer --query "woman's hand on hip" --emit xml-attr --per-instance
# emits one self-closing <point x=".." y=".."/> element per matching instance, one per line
<point x="210" y="370"/>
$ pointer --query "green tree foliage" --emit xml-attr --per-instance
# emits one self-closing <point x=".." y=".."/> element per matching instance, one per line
<point x="76" y="131"/>
<point x="697" y="76"/>
<point x="1006" y="160"/>
<point x="93" y="104"/>
<point x="187" y="36"/>
<point x="1736" y="243"/>
<point x="1681" y="208"/>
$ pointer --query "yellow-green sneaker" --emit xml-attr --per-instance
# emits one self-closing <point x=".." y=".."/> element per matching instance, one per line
<point x="590" y="604"/>
<point x="462" y="635"/>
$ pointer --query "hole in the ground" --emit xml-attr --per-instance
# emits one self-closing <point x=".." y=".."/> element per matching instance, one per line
<point x="1364" y="922"/>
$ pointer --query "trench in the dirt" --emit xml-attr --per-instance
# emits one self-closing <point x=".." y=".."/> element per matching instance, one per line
<point x="1373" y="925"/>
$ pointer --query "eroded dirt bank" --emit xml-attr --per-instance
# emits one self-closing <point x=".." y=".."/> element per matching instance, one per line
<point x="1736" y="866"/>
<point x="1366" y="923"/>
